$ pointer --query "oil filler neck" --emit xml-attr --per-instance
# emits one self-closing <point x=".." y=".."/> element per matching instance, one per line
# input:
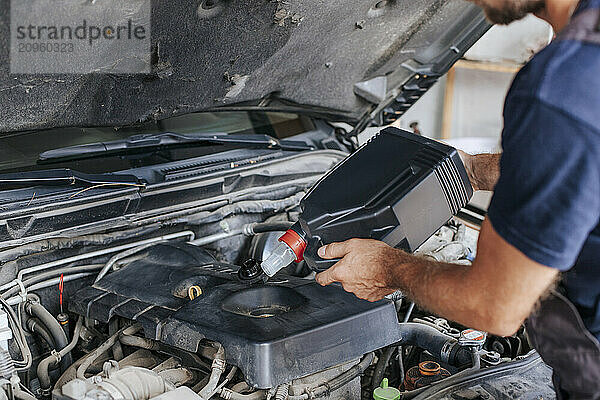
<point x="250" y="272"/>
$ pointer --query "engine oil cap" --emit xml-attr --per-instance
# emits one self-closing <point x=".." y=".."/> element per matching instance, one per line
<point x="472" y="337"/>
<point x="386" y="393"/>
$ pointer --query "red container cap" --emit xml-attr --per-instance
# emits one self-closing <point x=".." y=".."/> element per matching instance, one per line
<point x="296" y="243"/>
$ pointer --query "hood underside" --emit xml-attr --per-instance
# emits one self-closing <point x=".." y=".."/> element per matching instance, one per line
<point x="348" y="60"/>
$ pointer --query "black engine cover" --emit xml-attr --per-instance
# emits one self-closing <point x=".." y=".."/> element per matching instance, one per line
<point x="274" y="332"/>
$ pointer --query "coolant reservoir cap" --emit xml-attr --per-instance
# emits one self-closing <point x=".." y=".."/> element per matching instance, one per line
<point x="386" y="393"/>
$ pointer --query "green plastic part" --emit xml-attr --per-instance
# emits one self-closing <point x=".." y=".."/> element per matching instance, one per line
<point x="386" y="393"/>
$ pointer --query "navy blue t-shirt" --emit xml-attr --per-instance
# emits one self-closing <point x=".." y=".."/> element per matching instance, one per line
<point x="547" y="201"/>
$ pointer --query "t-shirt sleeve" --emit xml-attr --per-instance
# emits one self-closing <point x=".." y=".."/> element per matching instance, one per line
<point x="547" y="199"/>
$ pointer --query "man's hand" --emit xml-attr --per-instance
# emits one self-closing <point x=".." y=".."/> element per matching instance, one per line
<point x="467" y="160"/>
<point x="483" y="169"/>
<point x="365" y="269"/>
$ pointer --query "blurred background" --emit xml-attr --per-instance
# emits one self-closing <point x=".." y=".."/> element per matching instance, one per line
<point x="464" y="108"/>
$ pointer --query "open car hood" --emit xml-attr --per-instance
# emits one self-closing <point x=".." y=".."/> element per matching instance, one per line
<point x="356" y="61"/>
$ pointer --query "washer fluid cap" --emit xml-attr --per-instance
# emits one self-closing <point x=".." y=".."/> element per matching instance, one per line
<point x="386" y="393"/>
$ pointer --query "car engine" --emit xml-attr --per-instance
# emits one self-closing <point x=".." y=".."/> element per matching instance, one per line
<point x="273" y="332"/>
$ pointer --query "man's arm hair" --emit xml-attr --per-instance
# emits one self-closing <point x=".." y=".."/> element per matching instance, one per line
<point x="495" y="294"/>
<point x="483" y="169"/>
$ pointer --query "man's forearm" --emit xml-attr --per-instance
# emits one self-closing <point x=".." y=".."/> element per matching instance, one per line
<point x="445" y="289"/>
<point x="495" y="294"/>
<point x="483" y="170"/>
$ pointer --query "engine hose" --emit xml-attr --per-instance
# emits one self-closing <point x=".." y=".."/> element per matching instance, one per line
<point x="91" y="357"/>
<point x="337" y="382"/>
<point x="54" y="329"/>
<point x="228" y="394"/>
<point x="177" y="376"/>
<point x="248" y="230"/>
<point x="71" y="372"/>
<point x="401" y="364"/>
<point x="440" y="345"/>
<point x="228" y="378"/>
<point x="283" y="392"/>
<point x="34" y="325"/>
<point x="217" y="368"/>
<point x="262" y="227"/>
<point x="381" y="366"/>
<point x="135" y="383"/>
<point x="117" y="351"/>
<point x="240" y="387"/>
<point x="43" y="367"/>
<point x="136" y="341"/>
<point x="347" y="376"/>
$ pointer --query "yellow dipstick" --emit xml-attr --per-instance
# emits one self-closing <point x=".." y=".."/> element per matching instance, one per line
<point x="194" y="291"/>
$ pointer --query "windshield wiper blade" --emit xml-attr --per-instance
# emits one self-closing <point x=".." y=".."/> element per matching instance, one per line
<point x="142" y="143"/>
<point x="66" y="177"/>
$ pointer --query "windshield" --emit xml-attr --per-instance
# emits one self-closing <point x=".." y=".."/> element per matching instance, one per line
<point x="20" y="151"/>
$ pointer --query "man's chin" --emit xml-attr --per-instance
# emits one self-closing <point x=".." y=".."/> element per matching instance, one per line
<point x="500" y="17"/>
<point x="513" y="11"/>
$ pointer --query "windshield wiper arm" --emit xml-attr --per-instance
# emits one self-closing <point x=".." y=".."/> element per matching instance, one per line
<point x="65" y="177"/>
<point x="141" y="143"/>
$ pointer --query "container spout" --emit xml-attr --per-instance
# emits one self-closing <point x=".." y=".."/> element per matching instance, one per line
<point x="281" y="257"/>
<point x="291" y="248"/>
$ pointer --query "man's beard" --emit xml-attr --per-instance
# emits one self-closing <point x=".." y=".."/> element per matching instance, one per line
<point x="511" y="10"/>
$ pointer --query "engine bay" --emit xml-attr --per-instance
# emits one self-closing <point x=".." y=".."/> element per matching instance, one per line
<point x="157" y="310"/>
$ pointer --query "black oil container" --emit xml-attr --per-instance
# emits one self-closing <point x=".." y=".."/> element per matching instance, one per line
<point x="399" y="188"/>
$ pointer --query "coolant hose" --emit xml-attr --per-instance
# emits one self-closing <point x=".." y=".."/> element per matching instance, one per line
<point x="55" y="330"/>
<point x="43" y="367"/>
<point x="434" y="341"/>
<point x="34" y="325"/>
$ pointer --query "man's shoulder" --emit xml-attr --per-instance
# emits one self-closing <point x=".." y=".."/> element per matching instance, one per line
<point x="564" y="76"/>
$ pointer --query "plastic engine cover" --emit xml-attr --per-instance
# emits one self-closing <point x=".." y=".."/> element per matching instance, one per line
<point x="286" y="329"/>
